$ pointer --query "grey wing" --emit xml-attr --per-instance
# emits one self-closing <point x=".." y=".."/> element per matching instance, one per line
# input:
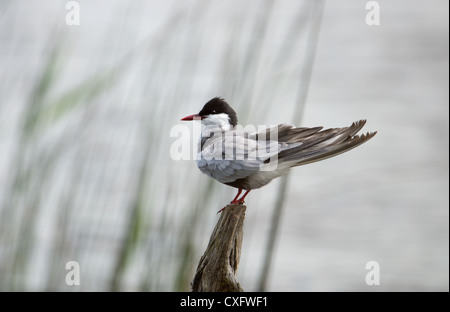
<point x="227" y="171"/>
<point x="239" y="157"/>
<point x="272" y="151"/>
<point x="301" y="146"/>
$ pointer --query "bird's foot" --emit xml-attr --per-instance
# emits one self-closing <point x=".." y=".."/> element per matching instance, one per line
<point x="233" y="202"/>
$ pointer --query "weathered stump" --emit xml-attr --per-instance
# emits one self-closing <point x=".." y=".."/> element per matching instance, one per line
<point x="218" y="266"/>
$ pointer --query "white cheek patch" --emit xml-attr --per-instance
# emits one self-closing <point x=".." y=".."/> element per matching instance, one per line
<point x="219" y="120"/>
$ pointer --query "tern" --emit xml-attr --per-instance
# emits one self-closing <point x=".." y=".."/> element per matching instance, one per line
<point x="248" y="160"/>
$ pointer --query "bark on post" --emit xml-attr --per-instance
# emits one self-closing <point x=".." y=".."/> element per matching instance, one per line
<point x="218" y="266"/>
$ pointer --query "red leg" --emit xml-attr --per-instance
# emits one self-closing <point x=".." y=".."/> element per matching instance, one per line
<point x="235" y="201"/>
<point x="241" y="200"/>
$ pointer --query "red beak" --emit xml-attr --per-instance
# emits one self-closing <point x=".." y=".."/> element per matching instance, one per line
<point x="192" y="117"/>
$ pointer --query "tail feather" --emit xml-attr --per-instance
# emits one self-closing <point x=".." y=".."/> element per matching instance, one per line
<point x="324" y="144"/>
<point x="335" y="150"/>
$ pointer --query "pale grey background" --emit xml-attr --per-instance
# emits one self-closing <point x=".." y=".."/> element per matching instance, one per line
<point x="385" y="201"/>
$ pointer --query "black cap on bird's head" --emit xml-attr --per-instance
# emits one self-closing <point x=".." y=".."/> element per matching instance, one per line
<point x="215" y="106"/>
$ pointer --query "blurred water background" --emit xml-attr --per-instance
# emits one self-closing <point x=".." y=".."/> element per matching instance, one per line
<point x="85" y="118"/>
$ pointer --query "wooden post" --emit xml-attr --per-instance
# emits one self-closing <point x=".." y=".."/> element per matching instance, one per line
<point x="218" y="266"/>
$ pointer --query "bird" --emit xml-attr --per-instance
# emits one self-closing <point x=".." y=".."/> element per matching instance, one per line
<point x="250" y="159"/>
